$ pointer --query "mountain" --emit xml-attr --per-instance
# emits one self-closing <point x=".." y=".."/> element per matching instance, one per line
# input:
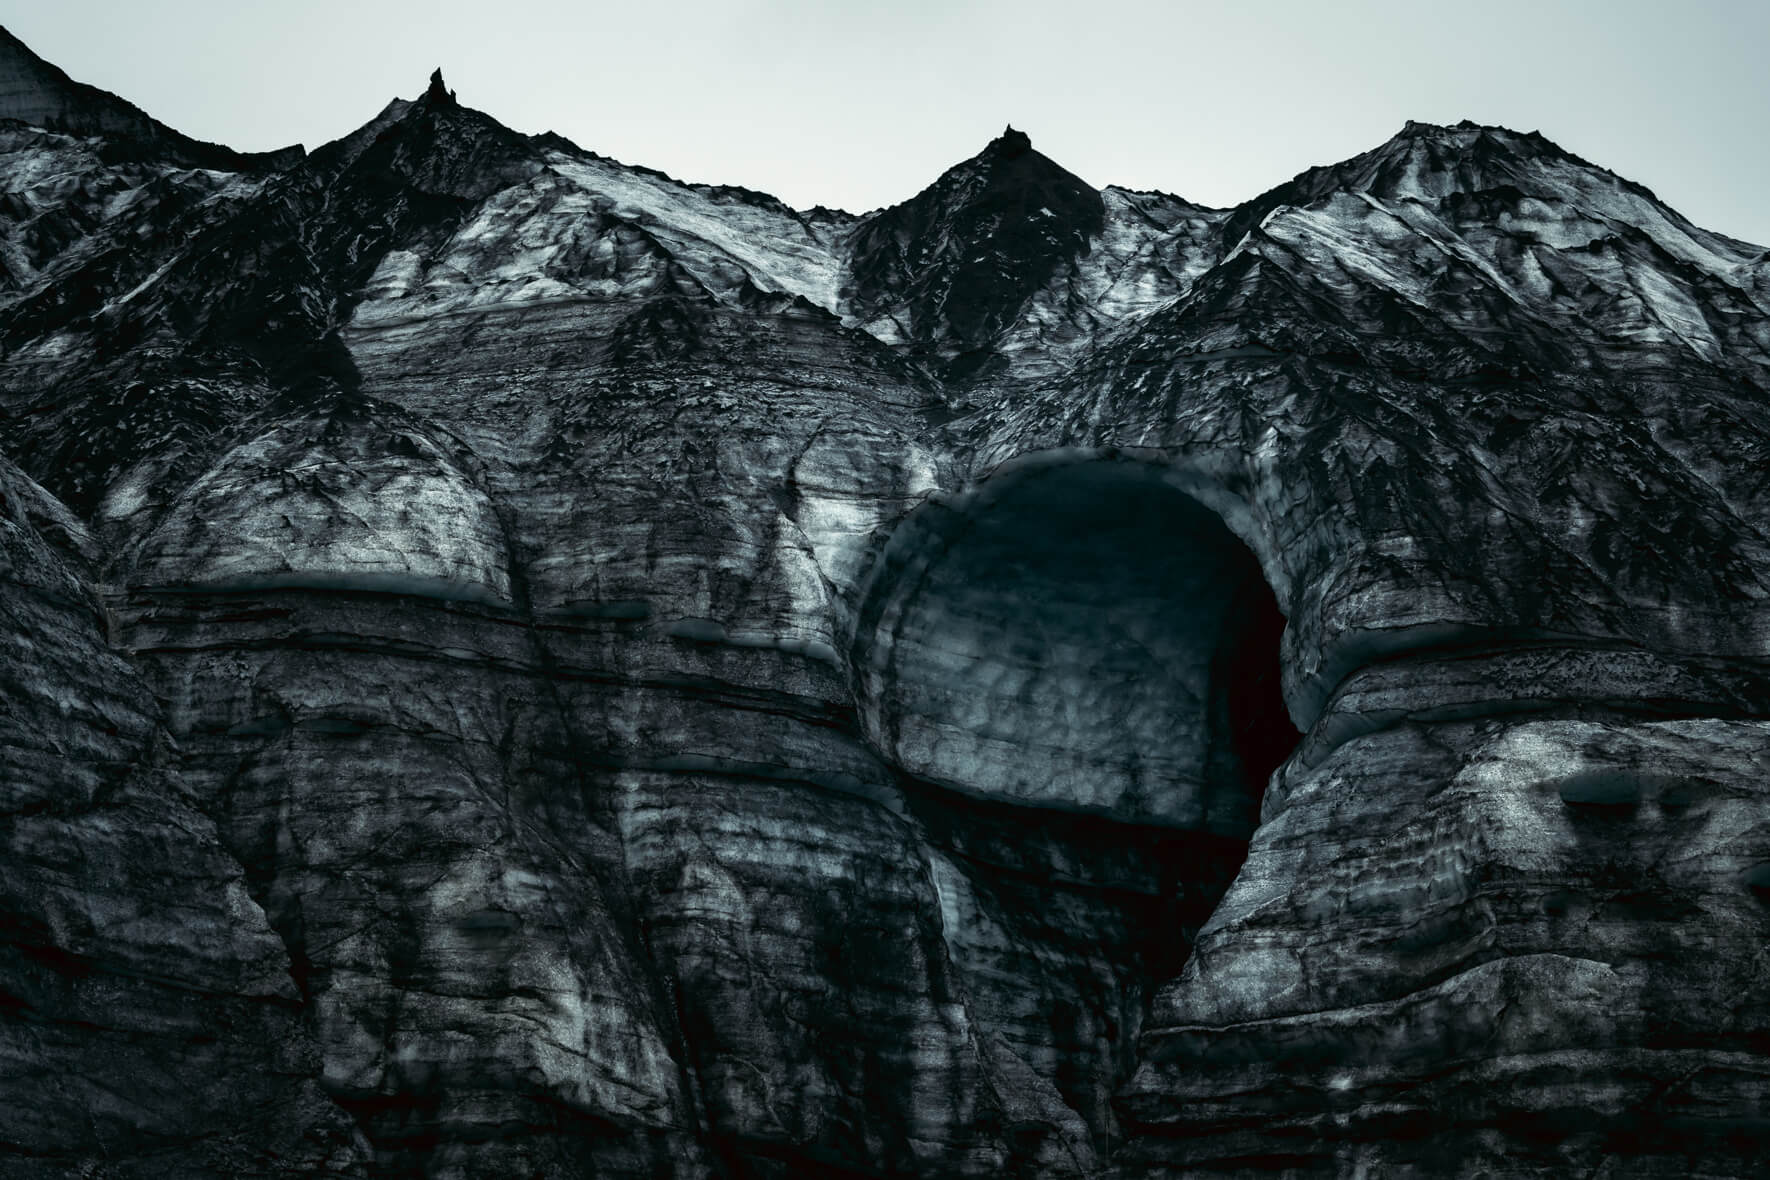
<point x="520" y="665"/>
<point x="36" y="93"/>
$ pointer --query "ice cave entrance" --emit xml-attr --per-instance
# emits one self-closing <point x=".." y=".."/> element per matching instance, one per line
<point x="1084" y="636"/>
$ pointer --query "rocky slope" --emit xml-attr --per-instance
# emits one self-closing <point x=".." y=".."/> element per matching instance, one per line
<point x="518" y="665"/>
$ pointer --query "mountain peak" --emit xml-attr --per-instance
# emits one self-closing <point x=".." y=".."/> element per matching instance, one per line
<point x="439" y="94"/>
<point x="1417" y="127"/>
<point x="437" y="146"/>
<point x="1433" y="161"/>
<point x="954" y="264"/>
<point x="1010" y="144"/>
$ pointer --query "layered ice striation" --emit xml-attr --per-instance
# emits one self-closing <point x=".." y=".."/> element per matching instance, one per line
<point x="520" y="665"/>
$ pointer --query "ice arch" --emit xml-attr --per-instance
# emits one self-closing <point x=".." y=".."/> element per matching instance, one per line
<point x="1082" y="635"/>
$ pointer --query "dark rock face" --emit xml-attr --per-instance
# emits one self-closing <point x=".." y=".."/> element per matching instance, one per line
<point x="947" y="271"/>
<point x="515" y="665"/>
<point x="147" y="1010"/>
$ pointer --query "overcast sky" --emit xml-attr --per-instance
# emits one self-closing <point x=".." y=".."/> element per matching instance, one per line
<point x="859" y="105"/>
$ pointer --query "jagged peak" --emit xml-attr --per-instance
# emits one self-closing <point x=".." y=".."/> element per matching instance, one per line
<point x="436" y="145"/>
<point x="1434" y="161"/>
<point x="938" y="260"/>
<point x="1415" y="127"/>
<point x="439" y="94"/>
<point x="1010" y="144"/>
<point x="1468" y="131"/>
<point x="1491" y="141"/>
<point x="1008" y="164"/>
<point x="1009" y="158"/>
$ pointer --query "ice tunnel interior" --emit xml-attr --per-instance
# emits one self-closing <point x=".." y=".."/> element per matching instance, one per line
<point x="1081" y="636"/>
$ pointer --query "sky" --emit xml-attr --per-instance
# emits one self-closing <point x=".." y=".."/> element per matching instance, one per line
<point x="859" y="105"/>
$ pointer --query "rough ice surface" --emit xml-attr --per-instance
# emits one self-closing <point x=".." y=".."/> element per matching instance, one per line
<point x="515" y="665"/>
<point x="588" y="228"/>
<point x="385" y="510"/>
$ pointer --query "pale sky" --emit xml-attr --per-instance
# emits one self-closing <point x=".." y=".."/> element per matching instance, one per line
<point x="861" y="105"/>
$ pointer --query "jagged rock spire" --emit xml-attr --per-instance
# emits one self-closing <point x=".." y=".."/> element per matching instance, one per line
<point x="438" y="93"/>
<point x="1011" y="143"/>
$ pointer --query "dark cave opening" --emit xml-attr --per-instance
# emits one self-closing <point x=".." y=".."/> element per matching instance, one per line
<point x="1083" y="637"/>
<point x="1075" y="668"/>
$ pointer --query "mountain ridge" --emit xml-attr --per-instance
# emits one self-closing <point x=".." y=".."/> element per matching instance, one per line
<point x="37" y="93"/>
<point x="515" y="664"/>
